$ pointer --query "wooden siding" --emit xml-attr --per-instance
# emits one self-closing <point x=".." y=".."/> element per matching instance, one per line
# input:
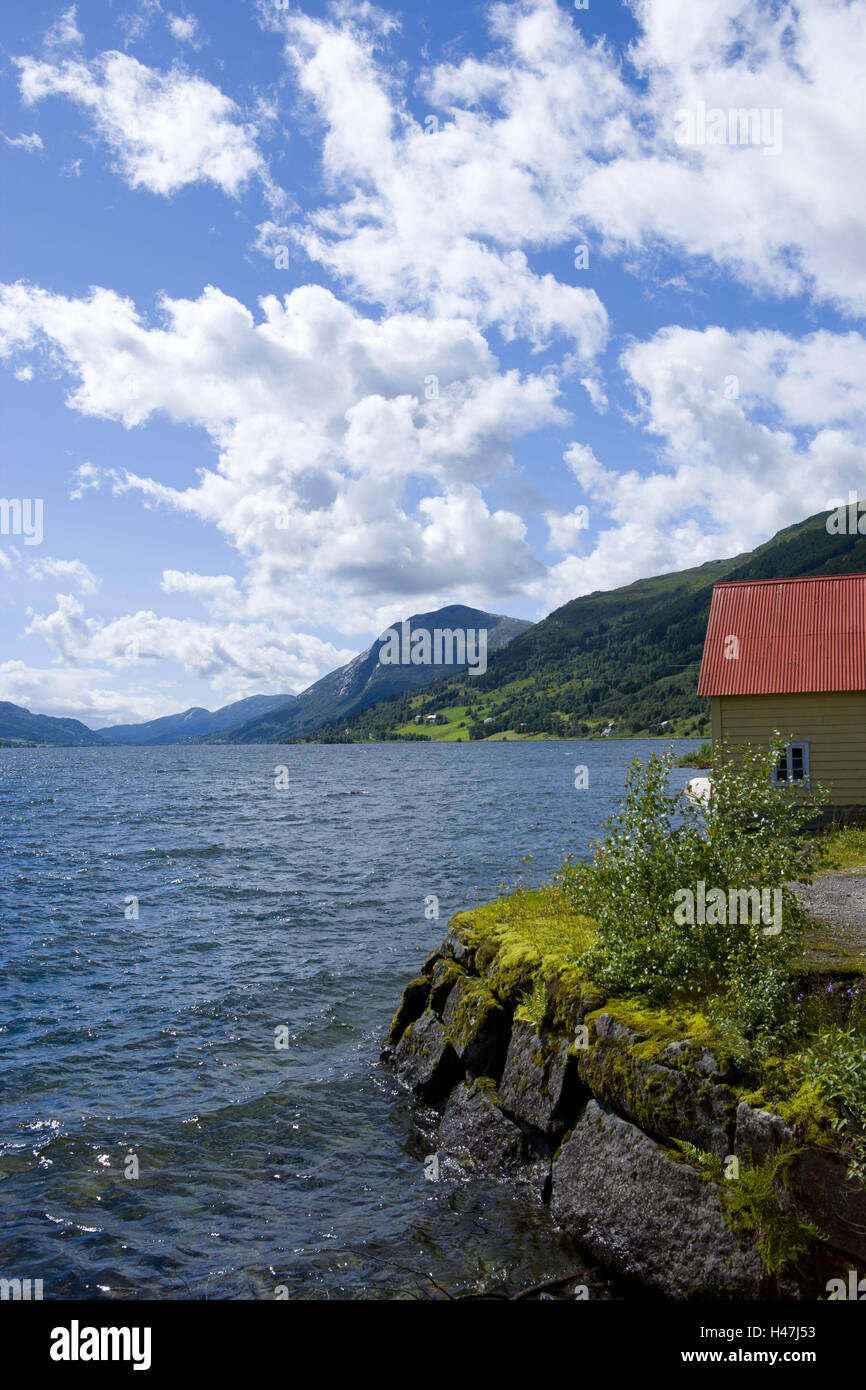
<point x="833" y="723"/>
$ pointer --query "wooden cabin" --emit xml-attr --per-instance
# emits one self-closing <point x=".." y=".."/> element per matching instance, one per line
<point x="790" y="654"/>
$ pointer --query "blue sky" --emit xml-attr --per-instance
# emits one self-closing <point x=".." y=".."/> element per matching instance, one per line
<point x="296" y="342"/>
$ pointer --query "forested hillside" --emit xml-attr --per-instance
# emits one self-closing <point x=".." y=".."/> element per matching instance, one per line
<point x="629" y="657"/>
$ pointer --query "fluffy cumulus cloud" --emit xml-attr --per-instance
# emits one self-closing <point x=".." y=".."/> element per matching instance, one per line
<point x="314" y="465"/>
<point x="755" y="430"/>
<point x="542" y="142"/>
<point x="164" y="129"/>
<point x="790" y="221"/>
<point x="184" y="28"/>
<point x="73" y="572"/>
<point x="241" y="658"/>
<point x="350" y="492"/>
<point x="86" y="691"/>
<point x="438" y="211"/>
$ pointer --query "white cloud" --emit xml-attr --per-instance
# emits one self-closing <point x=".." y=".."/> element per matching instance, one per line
<point x="218" y="592"/>
<point x="756" y="430"/>
<point x="240" y="657"/>
<point x="136" y="21"/>
<point x="273" y="238"/>
<point x="64" y="33"/>
<point x="564" y="531"/>
<point x="80" y="694"/>
<point x="67" y="571"/>
<point x="543" y="144"/>
<point x="790" y="223"/>
<point x="314" y="466"/>
<point x="440" y="212"/>
<point x="185" y="29"/>
<point x="164" y="130"/>
<point x="85" y="478"/>
<point x="24" y="142"/>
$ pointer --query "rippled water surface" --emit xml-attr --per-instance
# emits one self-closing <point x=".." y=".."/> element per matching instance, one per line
<point x="258" y="908"/>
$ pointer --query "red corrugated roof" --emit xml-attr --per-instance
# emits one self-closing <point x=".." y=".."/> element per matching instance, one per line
<point x="794" y="635"/>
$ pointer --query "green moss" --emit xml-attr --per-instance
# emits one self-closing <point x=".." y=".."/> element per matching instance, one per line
<point x="751" y="1207"/>
<point x="468" y="1016"/>
<point x="527" y="946"/>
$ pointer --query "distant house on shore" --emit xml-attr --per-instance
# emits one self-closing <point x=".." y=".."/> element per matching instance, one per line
<point x="790" y="654"/>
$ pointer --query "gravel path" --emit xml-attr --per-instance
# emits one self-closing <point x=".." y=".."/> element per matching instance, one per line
<point x="838" y="902"/>
<point x="839" y="898"/>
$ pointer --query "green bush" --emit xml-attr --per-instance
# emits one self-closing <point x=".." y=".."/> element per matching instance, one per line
<point x="659" y="848"/>
<point x="835" y="1060"/>
<point x="697" y="757"/>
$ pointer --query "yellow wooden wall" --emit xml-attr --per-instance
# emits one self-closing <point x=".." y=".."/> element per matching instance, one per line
<point x="834" y="724"/>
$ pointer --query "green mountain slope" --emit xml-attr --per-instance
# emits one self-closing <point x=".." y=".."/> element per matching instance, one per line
<point x="20" y="728"/>
<point x="629" y="657"/>
<point x="365" y="680"/>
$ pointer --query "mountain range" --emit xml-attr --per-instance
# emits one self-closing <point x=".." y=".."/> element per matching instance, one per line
<point x="273" y="718"/>
<point x="195" y="722"/>
<point x="19" y="727"/>
<point x="626" y="657"/>
<point x="365" y="680"/>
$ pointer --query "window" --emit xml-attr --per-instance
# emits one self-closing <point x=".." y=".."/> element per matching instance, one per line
<point x="793" y="764"/>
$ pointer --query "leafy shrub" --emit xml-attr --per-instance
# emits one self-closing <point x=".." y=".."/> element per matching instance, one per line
<point x="837" y="1062"/>
<point x="697" y="757"/>
<point x="660" y="846"/>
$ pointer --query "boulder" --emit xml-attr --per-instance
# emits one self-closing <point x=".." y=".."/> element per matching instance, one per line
<point x="425" y="1061"/>
<point x="412" y="1006"/>
<point x="457" y="948"/>
<point x="477" y="1137"/>
<point x="759" y="1133"/>
<point x="539" y="1083"/>
<point x="817" y="1189"/>
<point x="443" y="978"/>
<point x="477" y="1026"/>
<point x="665" y="1101"/>
<point x="646" y="1215"/>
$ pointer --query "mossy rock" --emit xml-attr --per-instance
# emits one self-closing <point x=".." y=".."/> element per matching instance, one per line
<point x="479" y="1138"/>
<point x="477" y="1027"/>
<point x="540" y="1085"/>
<point x="425" y="1060"/>
<point x="625" y="1069"/>
<point x="445" y="975"/>
<point x="412" y="1005"/>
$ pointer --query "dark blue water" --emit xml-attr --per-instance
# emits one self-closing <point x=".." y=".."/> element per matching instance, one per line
<point x="258" y="909"/>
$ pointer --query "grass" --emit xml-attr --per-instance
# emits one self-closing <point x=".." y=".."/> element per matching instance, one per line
<point x="846" y="850"/>
<point x="529" y="935"/>
<point x="697" y="757"/>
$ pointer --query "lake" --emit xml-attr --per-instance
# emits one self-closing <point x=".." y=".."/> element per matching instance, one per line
<point x="169" y="914"/>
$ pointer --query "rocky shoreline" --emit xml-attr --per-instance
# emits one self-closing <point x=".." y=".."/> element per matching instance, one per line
<point x="584" y="1107"/>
